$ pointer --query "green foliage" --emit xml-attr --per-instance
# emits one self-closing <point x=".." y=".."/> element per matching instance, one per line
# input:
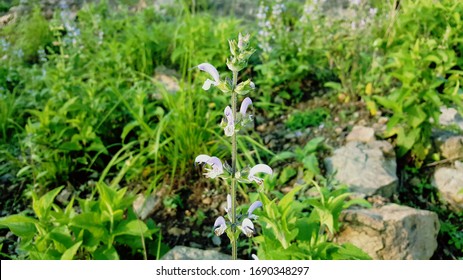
<point x="422" y="71"/>
<point x="304" y="119"/>
<point x="104" y="223"/>
<point x="303" y="228"/>
<point x="29" y="34"/>
<point x="452" y="230"/>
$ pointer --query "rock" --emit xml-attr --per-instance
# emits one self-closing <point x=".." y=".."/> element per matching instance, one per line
<point x="145" y="207"/>
<point x="186" y="253"/>
<point x="452" y="147"/>
<point x="361" y="134"/>
<point x="368" y="168"/>
<point x="449" y="144"/>
<point x="450" y="116"/>
<point x="176" y="231"/>
<point x="449" y="183"/>
<point x="392" y="232"/>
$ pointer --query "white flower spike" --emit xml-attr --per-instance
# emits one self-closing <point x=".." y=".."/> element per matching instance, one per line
<point x="207" y="67"/>
<point x="259" y="168"/>
<point x="214" y="162"/>
<point x="253" y="207"/>
<point x="220" y="226"/>
<point x="247" y="227"/>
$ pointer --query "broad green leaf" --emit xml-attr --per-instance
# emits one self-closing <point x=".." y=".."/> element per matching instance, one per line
<point x="20" y="225"/>
<point x="135" y="227"/>
<point x="71" y="252"/>
<point x="311" y="164"/>
<point x="313" y="145"/>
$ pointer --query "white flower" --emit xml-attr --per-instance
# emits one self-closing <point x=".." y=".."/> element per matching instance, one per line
<point x="220" y="226"/>
<point x="257" y="169"/>
<point x="247" y="227"/>
<point x="244" y="106"/>
<point x="213" y="72"/>
<point x="230" y="128"/>
<point x="373" y="11"/>
<point x="214" y="162"/>
<point x="253" y="207"/>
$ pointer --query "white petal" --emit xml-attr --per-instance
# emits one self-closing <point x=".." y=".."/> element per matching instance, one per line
<point x="257" y="169"/>
<point x="229" y="115"/>
<point x="253" y="207"/>
<point x="220" y="226"/>
<point x="229" y="130"/>
<point x="247" y="227"/>
<point x="244" y="105"/>
<point x="254" y="257"/>
<point x="252" y="85"/>
<point x="202" y="159"/>
<point x="264" y="168"/>
<point x="229" y="203"/>
<point x="207" y="84"/>
<point x="211" y="70"/>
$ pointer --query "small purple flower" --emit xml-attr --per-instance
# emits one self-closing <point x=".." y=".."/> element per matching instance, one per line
<point x="207" y="67"/>
<point x="259" y="168"/>
<point x="214" y="162"/>
<point x="220" y="226"/>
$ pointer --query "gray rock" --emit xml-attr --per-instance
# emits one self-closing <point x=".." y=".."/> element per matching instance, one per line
<point x="392" y="232"/>
<point x="449" y="183"/>
<point x="146" y="206"/>
<point x="368" y="168"/>
<point x="450" y="117"/>
<point x="452" y="147"/>
<point x="361" y="134"/>
<point x="187" y="253"/>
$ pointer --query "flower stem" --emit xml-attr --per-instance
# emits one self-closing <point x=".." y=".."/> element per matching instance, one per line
<point x="233" y="167"/>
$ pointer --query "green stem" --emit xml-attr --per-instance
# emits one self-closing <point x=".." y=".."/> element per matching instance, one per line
<point x="233" y="167"/>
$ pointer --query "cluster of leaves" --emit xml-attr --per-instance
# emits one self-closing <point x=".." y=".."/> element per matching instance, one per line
<point x="421" y="70"/>
<point x="102" y="224"/>
<point x="304" y="227"/>
<point x="304" y="119"/>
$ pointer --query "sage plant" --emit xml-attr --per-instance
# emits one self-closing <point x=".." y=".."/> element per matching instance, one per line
<point x="232" y="122"/>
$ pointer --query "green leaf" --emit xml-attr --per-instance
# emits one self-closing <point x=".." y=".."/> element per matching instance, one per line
<point x="71" y="252"/>
<point x="23" y="170"/>
<point x="135" y="227"/>
<point x="333" y="85"/>
<point x="282" y="156"/>
<point x="416" y="115"/>
<point x="311" y="164"/>
<point x="42" y="205"/>
<point x="313" y="145"/>
<point x="20" y="225"/>
<point x="104" y="253"/>
<point x="288" y="198"/>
